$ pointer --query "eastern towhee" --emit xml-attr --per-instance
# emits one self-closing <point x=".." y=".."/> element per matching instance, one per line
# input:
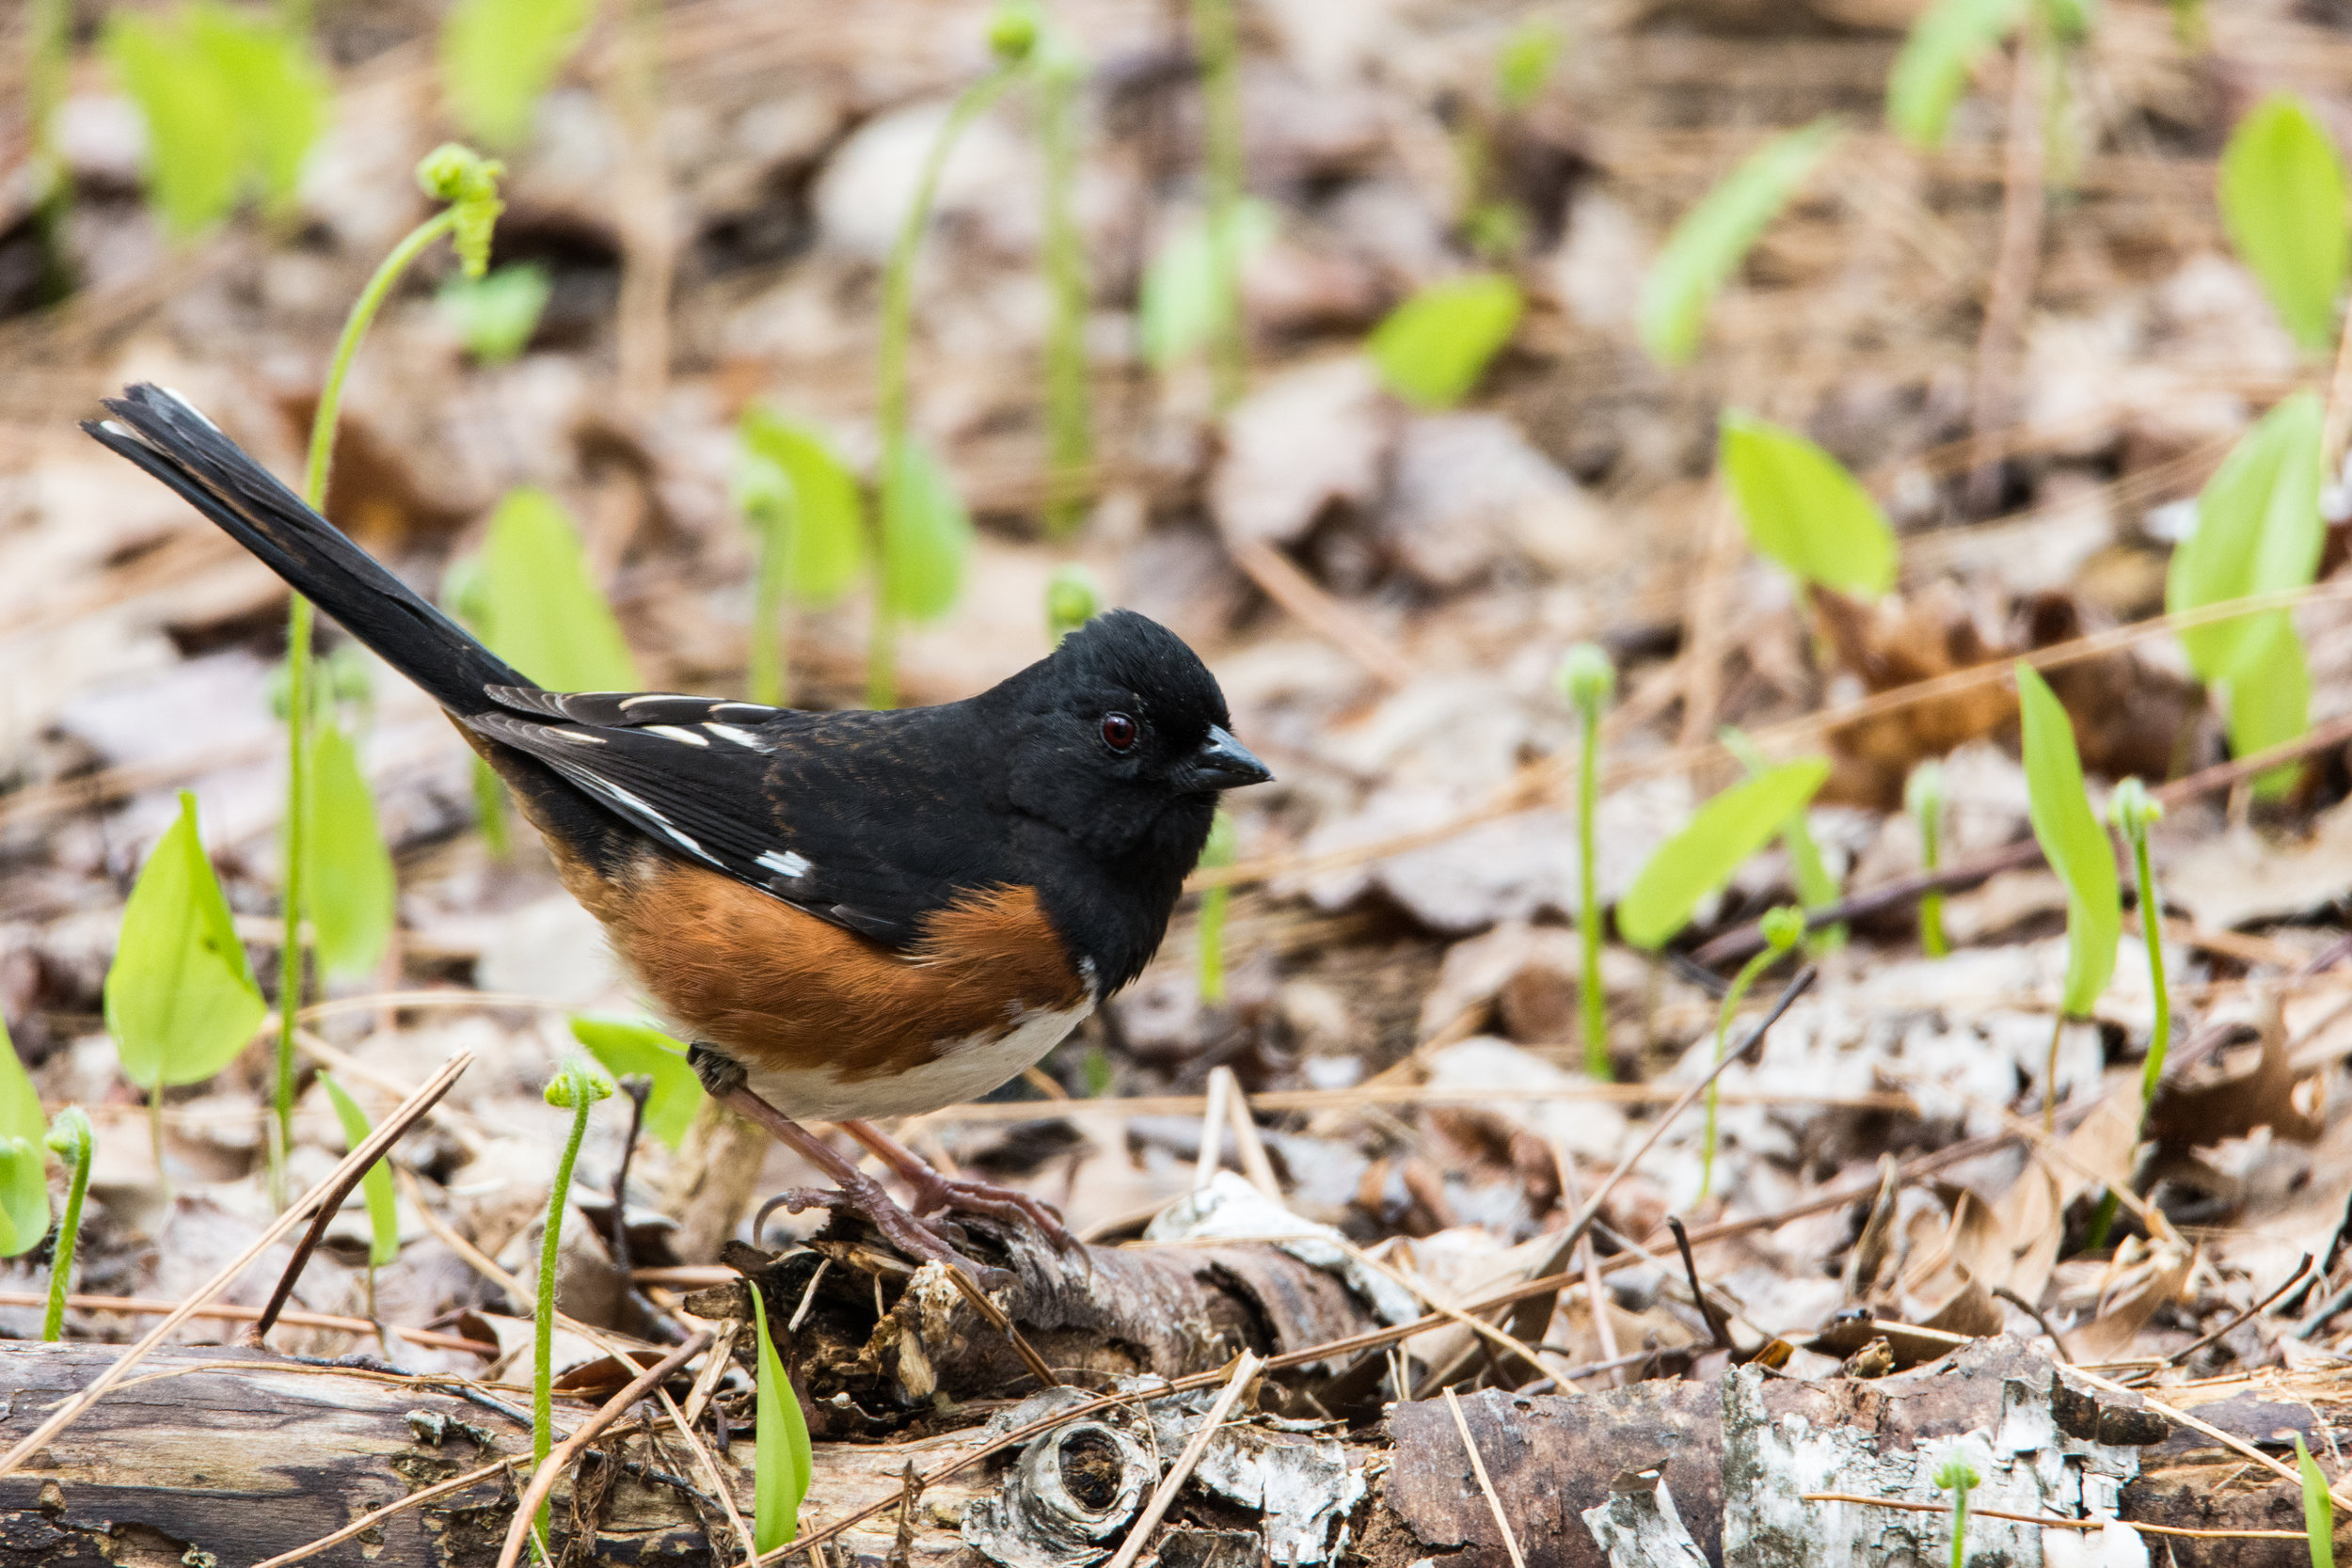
<point x="846" y="915"/>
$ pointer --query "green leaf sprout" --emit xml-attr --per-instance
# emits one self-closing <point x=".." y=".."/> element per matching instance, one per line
<point x="624" y="1048"/>
<point x="803" y="504"/>
<point x="1432" y="349"/>
<point x="1803" y="509"/>
<point x="1186" y="301"/>
<point x="1586" y="679"/>
<point x="1714" y="238"/>
<point x="71" y="1139"/>
<point x="577" y="1087"/>
<point x="2284" y="204"/>
<point x="23" y="1176"/>
<point x="1224" y="844"/>
<point x="498" y="57"/>
<point x="1944" y="45"/>
<point x="1702" y="856"/>
<point x="1525" y="62"/>
<point x="376" y="1187"/>
<point x="1815" y="888"/>
<point x="2134" y="812"/>
<point x="2079" y="852"/>
<point x="782" y="1458"/>
<point x="495" y="314"/>
<point x="1923" y="796"/>
<point x="1960" y="1478"/>
<point x="2319" y="1508"/>
<point x="1072" y="597"/>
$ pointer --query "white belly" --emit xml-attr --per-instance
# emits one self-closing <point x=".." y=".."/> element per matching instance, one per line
<point x="965" y="1071"/>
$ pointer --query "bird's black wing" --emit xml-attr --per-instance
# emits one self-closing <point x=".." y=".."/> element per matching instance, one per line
<point x="822" y="811"/>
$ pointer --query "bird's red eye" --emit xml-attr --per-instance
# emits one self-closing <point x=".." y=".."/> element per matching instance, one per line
<point x="1119" y="731"/>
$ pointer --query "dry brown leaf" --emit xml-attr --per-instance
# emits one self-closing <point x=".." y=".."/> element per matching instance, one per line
<point x="1898" y="642"/>
<point x="2144" y="1281"/>
<point x="2229" y="1099"/>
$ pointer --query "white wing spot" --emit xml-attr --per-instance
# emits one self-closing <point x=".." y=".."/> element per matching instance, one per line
<point x="784" y="862"/>
<point x="675" y="731"/>
<point x="579" y="737"/>
<point x="654" y="697"/>
<point x="741" y="737"/>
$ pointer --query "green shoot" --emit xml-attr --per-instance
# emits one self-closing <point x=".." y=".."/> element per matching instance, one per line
<point x="73" y="1142"/>
<point x="1524" y="64"/>
<point x="2134" y="810"/>
<point x="1183" y="304"/>
<point x="1432" y="349"/>
<point x="1496" y="224"/>
<point x="926" y="533"/>
<point x="531" y="598"/>
<point x="1216" y="39"/>
<point x="1944" y="48"/>
<point x="23" y="1173"/>
<point x="783" y="1459"/>
<point x="1816" y="887"/>
<point x="232" y="106"/>
<point x="498" y="57"/>
<point x="494" y="315"/>
<point x="1586" y="678"/>
<point x="576" y="1087"/>
<point x="2319" y="1509"/>
<point x="803" y="504"/>
<point x="1069" y="427"/>
<point x="1803" y="509"/>
<point x="1958" y="1477"/>
<point x="349" y="882"/>
<point x="2077" y="850"/>
<point x="2282" y="201"/>
<point x="1072" y="598"/>
<point x="467" y="186"/>
<point x="376" y="1187"/>
<point x="624" y="1048"/>
<point x="181" y="998"/>
<point x="1224" y="842"/>
<point x="2258" y="532"/>
<point x="1715" y="237"/>
<point x="1096" y="1067"/>
<point x="1784" y="927"/>
<point x="1923" y="796"/>
<point x="1702" y="856"/>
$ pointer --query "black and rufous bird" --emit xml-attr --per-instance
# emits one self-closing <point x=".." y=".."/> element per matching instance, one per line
<point x="848" y="916"/>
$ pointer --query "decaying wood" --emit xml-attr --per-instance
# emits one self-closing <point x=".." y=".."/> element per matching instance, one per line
<point x="1090" y="1312"/>
<point x="1737" y="1455"/>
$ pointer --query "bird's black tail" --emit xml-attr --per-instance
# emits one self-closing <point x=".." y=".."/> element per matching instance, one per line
<point x="172" y="441"/>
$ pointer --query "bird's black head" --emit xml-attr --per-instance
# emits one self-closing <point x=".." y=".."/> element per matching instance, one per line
<point x="1119" y="739"/>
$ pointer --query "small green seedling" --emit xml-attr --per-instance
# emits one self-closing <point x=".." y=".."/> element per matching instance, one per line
<point x="2134" y="812"/>
<point x="376" y="1187"/>
<point x="577" y="1087"/>
<point x="467" y="185"/>
<point x="926" y="532"/>
<point x="1432" y="349"/>
<point x="1815" y="888"/>
<point x="2283" y="204"/>
<point x="498" y="57"/>
<point x="1069" y="418"/>
<point x="1586" y="678"/>
<point x="1784" y="929"/>
<point x="1923" y="796"/>
<point x="350" y="880"/>
<point x="1715" y="237"/>
<point x="72" y="1140"/>
<point x="1216" y="43"/>
<point x="23" y="1173"/>
<point x="495" y="315"/>
<point x="181" y="997"/>
<point x="1944" y="46"/>
<point x="626" y="1049"/>
<point x="1496" y="226"/>
<point x="1224" y="844"/>
<point x="1958" y="1477"/>
<point x="2319" y="1509"/>
<point x="1186" y="304"/>
<point x="2258" y="532"/>
<point x="1702" y="856"/>
<point x="782" y="1458"/>
<point x="1525" y="62"/>
<point x="1803" y="509"/>
<point x="2077" y="850"/>
<point x="232" y="104"/>
<point x="802" y="502"/>
<point x="1072" y="597"/>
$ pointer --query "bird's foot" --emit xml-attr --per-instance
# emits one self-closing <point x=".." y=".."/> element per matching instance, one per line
<point x="935" y="1192"/>
<point x="866" y="1197"/>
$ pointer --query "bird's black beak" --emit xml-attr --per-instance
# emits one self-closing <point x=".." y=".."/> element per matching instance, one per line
<point x="1221" y="763"/>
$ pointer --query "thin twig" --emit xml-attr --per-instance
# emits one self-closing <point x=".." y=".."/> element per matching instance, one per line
<point x="1715" y="1327"/>
<point x="1245" y="1369"/>
<point x="998" y="1319"/>
<point x="359" y="1159"/>
<point x="2029" y="1308"/>
<point x="2246" y="1317"/>
<point x="338" y="1187"/>
<point x="1976" y="1512"/>
<point x="2238" y="1446"/>
<point x="542" y="1481"/>
<point x="142" y="1306"/>
<point x="1318" y="611"/>
<point x="1588" y="1258"/>
<point x="1478" y="1468"/>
